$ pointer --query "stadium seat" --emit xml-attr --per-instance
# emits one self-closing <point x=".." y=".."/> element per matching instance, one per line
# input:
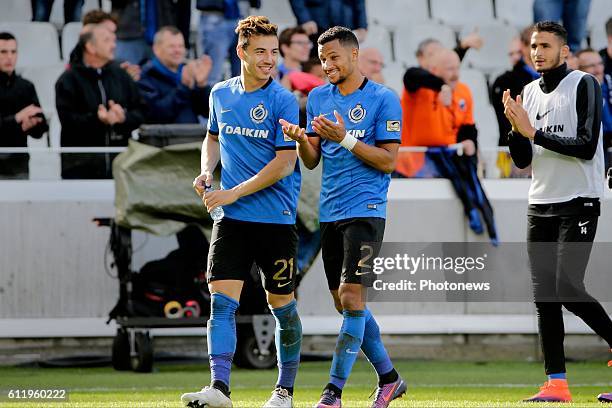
<point x="37" y="43"/>
<point x="462" y="13"/>
<point x="15" y="10"/>
<point x="70" y="38"/>
<point x="516" y="13"/>
<point x="477" y="83"/>
<point x="44" y="78"/>
<point x="599" y="13"/>
<point x="408" y="37"/>
<point x="599" y="39"/>
<point x="396" y="13"/>
<point x="494" y="53"/>
<point x="379" y="37"/>
<point x="488" y="137"/>
<point x="279" y="12"/>
<point x="394" y="76"/>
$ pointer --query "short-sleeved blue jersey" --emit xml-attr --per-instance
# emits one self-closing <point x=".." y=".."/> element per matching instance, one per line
<point x="249" y="136"/>
<point x="350" y="188"/>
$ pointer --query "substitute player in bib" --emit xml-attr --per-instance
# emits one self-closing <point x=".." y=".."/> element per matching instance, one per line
<point x="560" y="114"/>
<point x="260" y="183"/>
<point x="355" y="126"/>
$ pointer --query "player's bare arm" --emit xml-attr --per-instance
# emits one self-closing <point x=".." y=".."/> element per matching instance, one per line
<point x="209" y="159"/>
<point x="308" y="148"/>
<point x="381" y="157"/>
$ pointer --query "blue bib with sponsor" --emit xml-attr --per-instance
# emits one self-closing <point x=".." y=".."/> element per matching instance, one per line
<point x="249" y="137"/>
<point x="350" y="188"/>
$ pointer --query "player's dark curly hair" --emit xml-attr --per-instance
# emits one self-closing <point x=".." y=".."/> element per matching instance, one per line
<point x="552" y="27"/>
<point x="254" y="26"/>
<point x="342" y="34"/>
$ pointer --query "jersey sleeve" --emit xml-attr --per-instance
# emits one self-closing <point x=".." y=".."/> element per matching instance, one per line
<point x="389" y="120"/>
<point x="310" y="115"/>
<point x="290" y="111"/>
<point x="213" y="125"/>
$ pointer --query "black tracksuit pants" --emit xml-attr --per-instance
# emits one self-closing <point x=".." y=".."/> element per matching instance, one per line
<point x="559" y="248"/>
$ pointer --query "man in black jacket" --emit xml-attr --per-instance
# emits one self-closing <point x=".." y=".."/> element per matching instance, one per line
<point x="20" y="112"/>
<point x="98" y="105"/>
<point x="521" y="74"/>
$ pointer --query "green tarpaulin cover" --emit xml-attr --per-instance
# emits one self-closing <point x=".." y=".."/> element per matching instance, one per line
<point x="154" y="193"/>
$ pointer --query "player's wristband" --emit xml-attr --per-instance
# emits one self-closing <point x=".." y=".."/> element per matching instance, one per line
<point x="348" y="142"/>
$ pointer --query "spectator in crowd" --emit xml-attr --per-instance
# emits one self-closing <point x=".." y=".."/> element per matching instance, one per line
<point x="590" y="61"/>
<point x="521" y="74"/>
<point x="313" y="66"/>
<point x="95" y="17"/>
<point x="438" y="112"/>
<point x="316" y="16"/>
<point x="20" y="112"/>
<point x="573" y="13"/>
<point x="430" y="46"/>
<point x="98" y="104"/>
<point x="101" y="17"/>
<point x="371" y="64"/>
<point x="174" y="91"/>
<point x="294" y="46"/>
<point x="606" y="53"/>
<point x="218" y="20"/>
<point x="41" y="10"/>
<point x="303" y="81"/>
<point x="138" y="20"/>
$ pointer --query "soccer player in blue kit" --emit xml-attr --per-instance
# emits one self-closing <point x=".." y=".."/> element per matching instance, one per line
<point x="354" y="125"/>
<point x="260" y="184"/>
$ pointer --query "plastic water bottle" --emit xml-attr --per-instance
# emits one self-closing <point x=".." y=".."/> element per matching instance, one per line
<point x="218" y="212"/>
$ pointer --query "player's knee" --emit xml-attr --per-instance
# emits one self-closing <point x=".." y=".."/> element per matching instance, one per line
<point x="350" y="299"/>
<point x="276" y="301"/>
<point x="337" y="302"/>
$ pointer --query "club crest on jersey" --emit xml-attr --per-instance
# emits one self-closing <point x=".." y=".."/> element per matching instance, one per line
<point x="259" y="113"/>
<point x="357" y="114"/>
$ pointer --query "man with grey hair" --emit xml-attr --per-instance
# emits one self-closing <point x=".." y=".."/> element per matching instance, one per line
<point x="174" y="90"/>
<point x="98" y="105"/>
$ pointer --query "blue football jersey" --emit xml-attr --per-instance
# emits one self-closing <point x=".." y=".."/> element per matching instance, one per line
<point x="350" y="188"/>
<point x="249" y="136"/>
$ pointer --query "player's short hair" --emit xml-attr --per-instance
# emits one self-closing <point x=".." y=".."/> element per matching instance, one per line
<point x="420" y="51"/>
<point x="165" y="29"/>
<point x="284" y="38"/>
<point x="253" y="26"/>
<point x="552" y="27"/>
<point x="5" y="35"/>
<point x="526" y="34"/>
<point x="97" y="16"/>
<point x="609" y="27"/>
<point x="342" y="34"/>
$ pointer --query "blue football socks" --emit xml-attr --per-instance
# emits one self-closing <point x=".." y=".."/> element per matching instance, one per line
<point x="557" y="376"/>
<point x="374" y="349"/>
<point x="288" y="338"/>
<point x="221" y="331"/>
<point x="347" y="346"/>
